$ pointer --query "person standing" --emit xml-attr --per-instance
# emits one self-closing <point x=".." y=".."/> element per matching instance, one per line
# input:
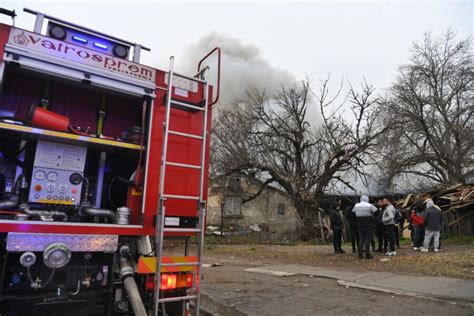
<point x="439" y="209"/>
<point x="364" y="212"/>
<point x="336" y="226"/>
<point x="388" y="219"/>
<point x="380" y="227"/>
<point x="407" y="215"/>
<point x="398" y="224"/>
<point x="351" y="218"/>
<point x="433" y="219"/>
<point x="418" y="221"/>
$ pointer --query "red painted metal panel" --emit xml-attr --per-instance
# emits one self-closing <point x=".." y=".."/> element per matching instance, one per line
<point x="4" y="34"/>
<point x="179" y="181"/>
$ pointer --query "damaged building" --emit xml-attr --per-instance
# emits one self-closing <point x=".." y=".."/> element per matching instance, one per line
<point x="233" y="202"/>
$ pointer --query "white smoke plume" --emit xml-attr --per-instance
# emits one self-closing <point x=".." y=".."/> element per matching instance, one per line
<point x="243" y="67"/>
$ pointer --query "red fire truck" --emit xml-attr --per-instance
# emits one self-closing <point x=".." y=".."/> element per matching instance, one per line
<point x="101" y="159"/>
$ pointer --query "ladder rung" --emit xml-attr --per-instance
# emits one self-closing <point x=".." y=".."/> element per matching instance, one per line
<point x="180" y="197"/>
<point x="173" y="102"/>
<point x="184" y="134"/>
<point x="189" y="78"/>
<point x="183" y="165"/>
<point x="177" y="299"/>
<point x="181" y="230"/>
<point x="179" y="264"/>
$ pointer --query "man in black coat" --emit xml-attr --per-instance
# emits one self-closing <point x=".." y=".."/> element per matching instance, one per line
<point x="351" y="218"/>
<point x="336" y="226"/>
<point x="380" y="228"/>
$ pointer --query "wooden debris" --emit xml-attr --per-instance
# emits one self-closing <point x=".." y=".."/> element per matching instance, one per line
<point x="456" y="203"/>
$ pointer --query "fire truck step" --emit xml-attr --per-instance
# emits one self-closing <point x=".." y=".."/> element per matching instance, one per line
<point x="180" y="197"/>
<point x="183" y="165"/>
<point x="177" y="299"/>
<point x="185" y="105"/>
<point x="184" y="134"/>
<point x="181" y="230"/>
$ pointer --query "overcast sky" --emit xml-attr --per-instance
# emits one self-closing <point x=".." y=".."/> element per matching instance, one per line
<point x="352" y="39"/>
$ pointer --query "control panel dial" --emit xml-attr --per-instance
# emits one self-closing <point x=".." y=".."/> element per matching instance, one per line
<point x="52" y="176"/>
<point x="40" y="175"/>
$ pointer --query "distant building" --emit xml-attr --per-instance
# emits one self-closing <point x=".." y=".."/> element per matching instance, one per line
<point x="271" y="211"/>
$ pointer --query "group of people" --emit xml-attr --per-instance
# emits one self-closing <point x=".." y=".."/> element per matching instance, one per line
<point x="387" y="223"/>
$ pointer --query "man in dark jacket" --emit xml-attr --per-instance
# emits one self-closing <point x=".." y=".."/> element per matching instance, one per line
<point x="336" y="226"/>
<point x="364" y="212"/>
<point x="433" y="219"/>
<point x="380" y="228"/>
<point x="351" y="218"/>
<point x="417" y="218"/>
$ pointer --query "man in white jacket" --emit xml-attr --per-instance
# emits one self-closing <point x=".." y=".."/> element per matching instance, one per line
<point x="364" y="212"/>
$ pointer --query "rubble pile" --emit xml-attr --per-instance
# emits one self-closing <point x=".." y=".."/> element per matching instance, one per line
<point x="456" y="203"/>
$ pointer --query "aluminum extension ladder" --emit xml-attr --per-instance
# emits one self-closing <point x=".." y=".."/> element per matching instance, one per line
<point x="199" y="230"/>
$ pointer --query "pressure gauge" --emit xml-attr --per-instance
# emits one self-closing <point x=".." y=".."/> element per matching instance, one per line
<point x="75" y="178"/>
<point x="52" y="176"/>
<point x="40" y="175"/>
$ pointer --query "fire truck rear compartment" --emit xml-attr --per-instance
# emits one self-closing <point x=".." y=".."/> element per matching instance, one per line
<point x="101" y="157"/>
<point x="101" y="187"/>
<point x="102" y="180"/>
<point x="90" y="283"/>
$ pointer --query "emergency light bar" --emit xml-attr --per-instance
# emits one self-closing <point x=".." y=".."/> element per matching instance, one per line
<point x="106" y="43"/>
<point x="77" y="37"/>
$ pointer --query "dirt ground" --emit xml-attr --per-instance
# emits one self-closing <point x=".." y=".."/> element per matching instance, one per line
<point x="258" y="294"/>
<point x="454" y="260"/>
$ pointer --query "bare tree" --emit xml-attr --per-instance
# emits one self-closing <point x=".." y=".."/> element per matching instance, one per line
<point x="273" y="138"/>
<point x="429" y="112"/>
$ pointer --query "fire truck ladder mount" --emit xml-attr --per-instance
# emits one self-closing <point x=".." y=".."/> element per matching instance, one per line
<point x="201" y="204"/>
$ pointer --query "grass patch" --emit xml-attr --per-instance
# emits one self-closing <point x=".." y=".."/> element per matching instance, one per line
<point x="268" y="239"/>
<point x="248" y="239"/>
<point x="459" y="240"/>
<point x="455" y="261"/>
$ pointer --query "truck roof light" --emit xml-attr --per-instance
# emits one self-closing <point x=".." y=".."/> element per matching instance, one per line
<point x="57" y="32"/>
<point x="79" y="39"/>
<point x="100" y="45"/>
<point x="120" y="51"/>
